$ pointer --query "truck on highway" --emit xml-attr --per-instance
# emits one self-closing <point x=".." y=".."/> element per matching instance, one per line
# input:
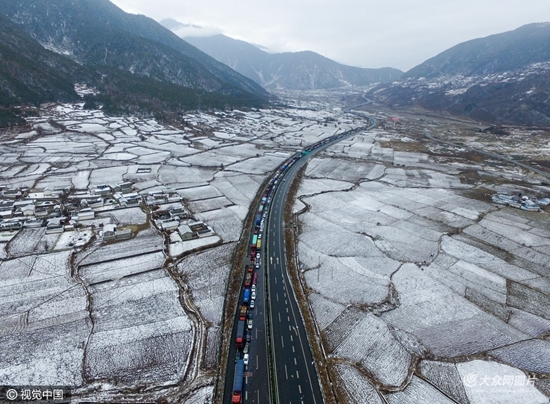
<point x="243" y="313"/>
<point x="258" y="219"/>
<point x="238" y="382"/>
<point x="239" y="339"/>
<point x="254" y="239"/>
<point x="248" y="280"/>
<point x="258" y="244"/>
<point x="246" y="297"/>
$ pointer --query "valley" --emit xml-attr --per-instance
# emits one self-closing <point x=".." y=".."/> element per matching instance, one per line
<point x="409" y="277"/>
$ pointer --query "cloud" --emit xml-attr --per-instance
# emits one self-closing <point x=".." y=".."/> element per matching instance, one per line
<point x="190" y="30"/>
<point x="366" y="33"/>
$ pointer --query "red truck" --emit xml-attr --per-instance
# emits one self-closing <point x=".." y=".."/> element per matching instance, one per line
<point x="239" y="340"/>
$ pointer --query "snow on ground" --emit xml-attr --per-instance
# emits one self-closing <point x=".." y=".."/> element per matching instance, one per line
<point x="73" y="239"/>
<point x="325" y="310"/>
<point x="44" y="328"/>
<point x="205" y="205"/>
<point x="239" y="189"/>
<point x="418" y="391"/>
<point x="448" y="276"/>
<point x="117" y="269"/>
<point x="206" y="274"/>
<point x="310" y="187"/>
<point x="494" y="383"/>
<point x="146" y="241"/>
<point x="446" y="377"/>
<point x="199" y="192"/>
<point x="446" y="323"/>
<point x="372" y="345"/>
<point x="342" y="170"/>
<point x="25" y="241"/>
<point x="134" y="304"/>
<point x="127" y="216"/>
<point x="226" y="222"/>
<point x="201" y="396"/>
<point x="181" y="247"/>
<point x="357" y="386"/>
<point x="141" y="333"/>
<point x="428" y="267"/>
<point x="258" y="165"/>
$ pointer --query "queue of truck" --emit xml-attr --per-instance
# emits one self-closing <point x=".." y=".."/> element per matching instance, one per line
<point x="244" y="325"/>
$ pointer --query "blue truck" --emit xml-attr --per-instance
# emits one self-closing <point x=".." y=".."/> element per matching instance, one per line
<point x="246" y="298"/>
<point x="258" y="219"/>
<point x="238" y="383"/>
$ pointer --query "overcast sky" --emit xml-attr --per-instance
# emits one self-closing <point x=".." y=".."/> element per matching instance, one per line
<point x="364" y="33"/>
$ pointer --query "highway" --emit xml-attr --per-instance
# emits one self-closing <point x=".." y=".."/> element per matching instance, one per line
<point x="277" y="322"/>
<point x="295" y="373"/>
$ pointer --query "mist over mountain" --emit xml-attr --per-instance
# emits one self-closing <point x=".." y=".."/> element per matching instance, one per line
<point x="135" y="57"/>
<point x="289" y="70"/>
<point x="503" y="78"/>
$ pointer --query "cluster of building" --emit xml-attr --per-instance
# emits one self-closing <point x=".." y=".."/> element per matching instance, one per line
<point x="65" y="209"/>
<point x="61" y="209"/>
<point x="176" y="221"/>
<point x="520" y="201"/>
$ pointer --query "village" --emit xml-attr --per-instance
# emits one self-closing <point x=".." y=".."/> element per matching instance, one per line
<point x="81" y="215"/>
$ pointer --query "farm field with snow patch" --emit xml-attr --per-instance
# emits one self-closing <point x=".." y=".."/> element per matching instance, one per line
<point x="406" y="260"/>
<point x="139" y="311"/>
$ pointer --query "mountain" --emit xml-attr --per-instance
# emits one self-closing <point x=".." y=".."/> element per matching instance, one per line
<point x="503" y="78"/>
<point x="129" y="50"/>
<point x="30" y="74"/>
<point x="498" y="53"/>
<point x="290" y="70"/>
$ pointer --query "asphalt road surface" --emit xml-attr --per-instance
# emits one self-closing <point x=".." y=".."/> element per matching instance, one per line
<point x="295" y="379"/>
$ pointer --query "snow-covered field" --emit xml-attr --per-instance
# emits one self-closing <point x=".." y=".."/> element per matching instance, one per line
<point x="402" y="266"/>
<point x="112" y="317"/>
<point x="420" y="290"/>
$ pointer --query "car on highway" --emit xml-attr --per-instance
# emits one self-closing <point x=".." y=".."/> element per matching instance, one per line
<point x="257" y="256"/>
<point x="253" y="295"/>
<point x="253" y="288"/>
<point x="250" y="324"/>
<point x="246" y="347"/>
<point x="245" y="359"/>
<point x="252" y="304"/>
